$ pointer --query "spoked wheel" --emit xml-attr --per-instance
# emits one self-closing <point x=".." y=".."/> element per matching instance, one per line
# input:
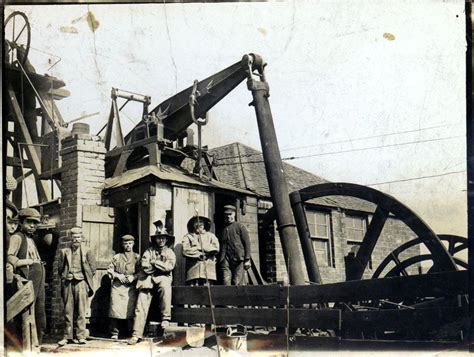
<point x="436" y="253"/>
<point x="394" y="265"/>
<point x="427" y="250"/>
<point x="386" y="206"/>
<point x="17" y="38"/>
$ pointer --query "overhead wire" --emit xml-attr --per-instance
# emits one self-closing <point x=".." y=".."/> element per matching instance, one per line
<point x="370" y="137"/>
<point x="346" y="140"/>
<point x="331" y="152"/>
<point x="416" y="178"/>
<point x="372" y="147"/>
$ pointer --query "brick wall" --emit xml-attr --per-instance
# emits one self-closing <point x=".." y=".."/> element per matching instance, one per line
<point x="82" y="180"/>
<point x="394" y="234"/>
<point x="250" y="222"/>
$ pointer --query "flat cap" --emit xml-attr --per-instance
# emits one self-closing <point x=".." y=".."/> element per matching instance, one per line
<point x="30" y="213"/>
<point x="127" y="238"/>
<point x="9" y="204"/>
<point x="76" y="230"/>
<point x="229" y="208"/>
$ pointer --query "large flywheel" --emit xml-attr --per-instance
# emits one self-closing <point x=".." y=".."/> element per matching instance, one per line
<point x="17" y="38"/>
<point x="387" y="206"/>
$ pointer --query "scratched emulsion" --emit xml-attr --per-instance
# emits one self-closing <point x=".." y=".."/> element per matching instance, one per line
<point x="389" y="36"/>
<point x="68" y="29"/>
<point x="262" y="30"/>
<point x="92" y="22"/>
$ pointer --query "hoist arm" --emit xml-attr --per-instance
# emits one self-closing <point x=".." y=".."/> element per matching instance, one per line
<point x="176" y="113"/>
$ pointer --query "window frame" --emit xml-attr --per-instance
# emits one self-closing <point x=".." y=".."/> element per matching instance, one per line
<point x="328" y="239"/>
<point x="350" y="241"/>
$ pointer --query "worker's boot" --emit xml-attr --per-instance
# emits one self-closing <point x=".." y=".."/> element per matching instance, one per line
<point x="134" y="340"/>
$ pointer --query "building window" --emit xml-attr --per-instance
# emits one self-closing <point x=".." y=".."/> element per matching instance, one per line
<point x="319" y="224"/>
<point x="355" y="231"/>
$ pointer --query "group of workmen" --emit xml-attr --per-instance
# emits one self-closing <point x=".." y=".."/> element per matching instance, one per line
<point x="134" y="278"/>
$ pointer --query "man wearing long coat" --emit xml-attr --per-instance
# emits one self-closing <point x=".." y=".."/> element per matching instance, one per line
<point x="123" y="271"/>
<point x="200" y="248"/>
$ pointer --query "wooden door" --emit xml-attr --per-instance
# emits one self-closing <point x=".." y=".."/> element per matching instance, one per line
<point x="98" y="232"/>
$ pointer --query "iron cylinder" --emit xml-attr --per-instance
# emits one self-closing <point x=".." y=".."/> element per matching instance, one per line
<point x="277" y="180"/>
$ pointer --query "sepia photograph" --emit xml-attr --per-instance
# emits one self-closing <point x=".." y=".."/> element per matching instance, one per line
<point x="236" y="178"/>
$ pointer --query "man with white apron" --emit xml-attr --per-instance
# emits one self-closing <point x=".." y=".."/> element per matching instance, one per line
<point x="123" y="270"/>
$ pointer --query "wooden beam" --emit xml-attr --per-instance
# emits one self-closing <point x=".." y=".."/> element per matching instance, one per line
<point x="402" y="319"/>
<point x="304" y="318"/>
<point x="368" y="244"/>
<point x="24" y="176"/>
<point x="135" y="194"/>
<point x="57" y="94"/>
<point x="20" y="300"/>
<point x="50" y="111"/>
<point x="16" y="162"/>
<point x="42" y="187"/>
<point x="268" y="295"/>
<point x="17" y="195"/>
<point x="140" y="143"/>
<point x="427" y="285"/>
<point x="144" y="224"/>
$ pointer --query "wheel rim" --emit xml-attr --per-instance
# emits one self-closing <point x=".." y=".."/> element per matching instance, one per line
<point x="17" y="37"/>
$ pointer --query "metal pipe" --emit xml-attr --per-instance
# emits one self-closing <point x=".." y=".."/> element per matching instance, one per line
<point x="276" y="179"/>
<point x="305" y="238"/>
<point x="120" y="93"/>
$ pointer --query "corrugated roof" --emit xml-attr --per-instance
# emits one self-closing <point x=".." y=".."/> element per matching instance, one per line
<point x="243" y="167"/>
<point x="171" y="174"/>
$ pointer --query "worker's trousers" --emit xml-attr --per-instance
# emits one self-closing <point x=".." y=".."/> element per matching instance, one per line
<point x="233" y="273"/>
<point x="75" y="303"/>
<point x="163" y="286"/>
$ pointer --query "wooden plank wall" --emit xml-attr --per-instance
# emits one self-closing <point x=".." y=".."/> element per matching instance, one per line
<point x="98" y="230"/>
<point x="295" y="306"/>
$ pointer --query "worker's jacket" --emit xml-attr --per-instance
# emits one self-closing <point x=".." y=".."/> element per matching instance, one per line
<point x="87" y="263"/>
<point x="200" y="251"/>
<point x="22" y="247"/>
<point x="155" y="263"/>
<point x="235" y="244"/>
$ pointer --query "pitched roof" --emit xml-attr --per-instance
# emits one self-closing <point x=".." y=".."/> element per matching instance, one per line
<point x="168" y="173"/>
<point x="242" y="166"/>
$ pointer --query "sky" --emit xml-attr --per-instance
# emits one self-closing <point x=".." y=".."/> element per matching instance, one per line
<point x="365" y="92"/>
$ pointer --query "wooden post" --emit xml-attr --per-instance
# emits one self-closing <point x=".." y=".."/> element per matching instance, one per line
<point x="30" y="336"/>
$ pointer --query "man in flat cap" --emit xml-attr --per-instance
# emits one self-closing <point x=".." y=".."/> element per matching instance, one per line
<point x="157" y="265"/>
<point x="76" y="268"/>
<point x="23" y="256"/>
<point x="123" y="272"/>
<point x="235" y="249"/>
